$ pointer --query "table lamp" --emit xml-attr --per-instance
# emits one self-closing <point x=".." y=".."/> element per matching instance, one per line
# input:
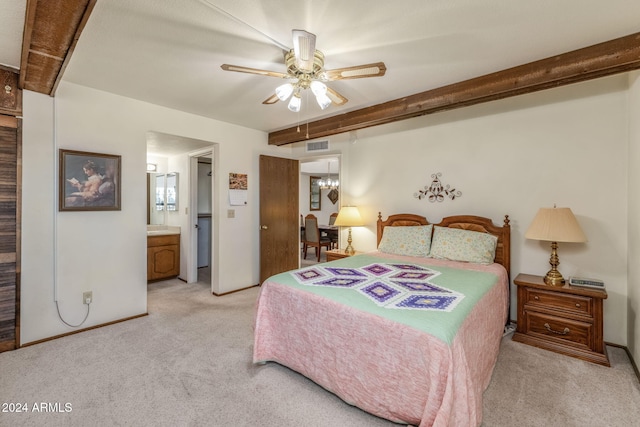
<point x="555" y="225"/>
<point x="349" y="217"/>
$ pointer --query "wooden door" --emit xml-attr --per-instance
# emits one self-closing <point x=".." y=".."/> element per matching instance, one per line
<point x="10" y="171"/>
<point x="279" y="216"/>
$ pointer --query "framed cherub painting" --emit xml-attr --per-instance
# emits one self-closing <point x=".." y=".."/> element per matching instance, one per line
<point x="89" y="181"/>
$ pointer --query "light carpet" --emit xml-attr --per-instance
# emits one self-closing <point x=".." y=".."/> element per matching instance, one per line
<point x="189" y="364"/>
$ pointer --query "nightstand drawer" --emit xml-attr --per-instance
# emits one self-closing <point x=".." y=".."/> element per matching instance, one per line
<point x="566" y="331"/>
<point x="564" y="302"/>
<point x="564" y="319"/>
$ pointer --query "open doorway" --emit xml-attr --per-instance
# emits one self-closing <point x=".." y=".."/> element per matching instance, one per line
<point x="319" y="196"/>
<point x="172" y="155"/>
<point x="204" y="211"/>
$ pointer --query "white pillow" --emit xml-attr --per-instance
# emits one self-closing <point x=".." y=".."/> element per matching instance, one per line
<point x="463" y="245"/>
<point x="406" y="240"/>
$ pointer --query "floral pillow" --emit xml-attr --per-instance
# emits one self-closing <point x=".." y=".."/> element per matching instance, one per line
<point x="406" y="240"/>
<point x="463" y="245"/>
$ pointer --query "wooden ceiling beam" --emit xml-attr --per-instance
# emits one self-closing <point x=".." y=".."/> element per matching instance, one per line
<point x="51" y="31"/>
<point x="603" y="59"/>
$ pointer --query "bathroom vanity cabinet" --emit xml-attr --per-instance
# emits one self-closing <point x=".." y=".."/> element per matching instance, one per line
<point x="163" y="256"/>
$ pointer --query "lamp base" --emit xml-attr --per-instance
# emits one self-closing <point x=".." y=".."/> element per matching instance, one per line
<point x="349" y="249"/>
<point x="554" y="278"/>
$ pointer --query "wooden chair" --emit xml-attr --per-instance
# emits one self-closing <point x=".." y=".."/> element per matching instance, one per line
<point x="332" y="218"/>
<point x="333" y="234"/>
<point x="312" y="236"/>
<point x="302" y="238"/>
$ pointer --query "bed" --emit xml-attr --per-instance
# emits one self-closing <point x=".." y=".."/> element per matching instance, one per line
<point x="408" y="337"/>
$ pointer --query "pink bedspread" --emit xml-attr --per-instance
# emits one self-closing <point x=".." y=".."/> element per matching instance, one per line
<point x="385" y="368"/>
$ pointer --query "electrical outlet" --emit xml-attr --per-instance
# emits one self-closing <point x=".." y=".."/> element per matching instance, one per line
<point x="87" y="297"/>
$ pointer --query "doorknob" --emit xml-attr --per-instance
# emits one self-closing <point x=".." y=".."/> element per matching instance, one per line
<point x="263" y="227"/>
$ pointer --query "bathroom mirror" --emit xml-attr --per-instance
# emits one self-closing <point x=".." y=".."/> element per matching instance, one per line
<point x="159" y="192"/>
<point x="163" y="196"/>
<point x="172" y="191"/>
<point x="156" y="198"/>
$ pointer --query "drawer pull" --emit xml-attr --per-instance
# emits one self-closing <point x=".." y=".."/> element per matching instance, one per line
<point x="536" y="297"/>
<point x="565" y="332"/>
<point x="577" y="305"/>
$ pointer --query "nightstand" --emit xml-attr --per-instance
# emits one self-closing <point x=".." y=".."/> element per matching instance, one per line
<point x="565" y="319"/>
<point x="335" y="254"/>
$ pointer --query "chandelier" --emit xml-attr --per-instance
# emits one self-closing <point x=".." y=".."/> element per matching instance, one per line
<point x="328" y="183"/>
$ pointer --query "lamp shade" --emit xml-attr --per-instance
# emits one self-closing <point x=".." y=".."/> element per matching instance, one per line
<point x="555" y="225"/>
<point x="284" y="91"/>
<point x="294" y="103"/>
<point x="349" y="217"/>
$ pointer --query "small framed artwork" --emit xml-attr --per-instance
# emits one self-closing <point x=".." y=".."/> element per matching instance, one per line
<point x="314" y="194"/>
<point x="333" y="195"/>
<point x="89" y="181"/>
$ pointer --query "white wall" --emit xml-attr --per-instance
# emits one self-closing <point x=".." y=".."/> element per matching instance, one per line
<point x="633" y="286"/>
<point x="566" y="146"/>
<point x="105" y="252"/>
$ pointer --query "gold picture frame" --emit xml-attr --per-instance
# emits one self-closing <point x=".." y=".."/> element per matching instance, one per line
<point x="315" y="203"/>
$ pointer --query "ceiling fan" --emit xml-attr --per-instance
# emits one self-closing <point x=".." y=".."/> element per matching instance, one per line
<point x="305" y="69"/>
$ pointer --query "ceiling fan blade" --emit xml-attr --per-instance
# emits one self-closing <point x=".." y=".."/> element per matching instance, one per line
<point x="271" y="100"/>
<point x="376" y="69"/>
<point x="240" y="69"/>
<point x="304" y="47"/>
<point x="335" y="97"/>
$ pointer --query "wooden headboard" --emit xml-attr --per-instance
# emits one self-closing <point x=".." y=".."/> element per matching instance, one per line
<point x="467" y="222"/>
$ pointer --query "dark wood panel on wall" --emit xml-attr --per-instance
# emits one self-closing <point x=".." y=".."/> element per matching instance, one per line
<point x="9" y="231"/>
<point x="10" y="93"/>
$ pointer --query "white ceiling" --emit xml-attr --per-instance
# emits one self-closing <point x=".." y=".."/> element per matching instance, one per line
<point x="169" y="52"/>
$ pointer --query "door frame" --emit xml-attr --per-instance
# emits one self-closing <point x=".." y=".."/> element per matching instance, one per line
<point x="192" y="250"/>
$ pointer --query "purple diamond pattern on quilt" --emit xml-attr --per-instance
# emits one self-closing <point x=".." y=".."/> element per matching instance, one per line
<point x="397" y="286"/>
<point x="409" y="267"/>
<point x="421" y="286"/>
<point x="308" y="274"/>
<point x="415" y="275"/>
<point x="340" y="282"/>
<point x="351" y="272"/>
<point x="380" y="292"/>
<point x="377" y="269"/>
<point x="432" y="302"/>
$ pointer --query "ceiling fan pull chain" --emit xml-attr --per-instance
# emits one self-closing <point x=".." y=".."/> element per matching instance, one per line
<point x="307" y="101"/>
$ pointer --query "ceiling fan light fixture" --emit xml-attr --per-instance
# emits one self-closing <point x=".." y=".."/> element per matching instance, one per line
<point x="284" y="91"/>
<point x="318" y="88"/>
<point x="294" y="103"/>
<point x="323" y="101"/>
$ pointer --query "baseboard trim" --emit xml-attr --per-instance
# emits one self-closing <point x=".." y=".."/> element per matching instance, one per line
<point x="633" y="362"/>
<point x="233" y="292"/>
<point x="55" y="337"/>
